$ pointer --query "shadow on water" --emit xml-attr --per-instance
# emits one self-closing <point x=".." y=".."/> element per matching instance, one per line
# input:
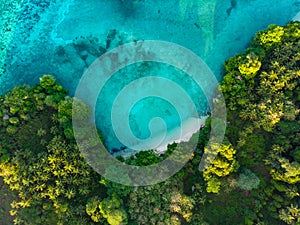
<point x="297" y="3"/>
<point x="127" y="7"/>
<point x="233" y="5"/>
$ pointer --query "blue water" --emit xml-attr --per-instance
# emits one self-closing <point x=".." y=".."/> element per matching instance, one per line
<point x="64" y="37"/>
<point x="150" y="107"/>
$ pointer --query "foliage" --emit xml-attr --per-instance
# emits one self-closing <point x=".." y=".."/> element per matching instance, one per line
<point x="92" y="209"/>
<point x="250" y="67"/>
<point x="247" y="180"/>
<point x="270" y="37"/>
<point x="221" y="164"/>
<point x="261" y="89"/>
<point x="290" y="215"/>
<point x="111" y="209"/>
<point x="287" y="172"/>
<point x="163" y="203"/>
<point x="51" y="177"/>
<point x="143" y="158"/>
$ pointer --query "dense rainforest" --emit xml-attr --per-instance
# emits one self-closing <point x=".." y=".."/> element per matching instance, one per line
<point x="254" y="179"/>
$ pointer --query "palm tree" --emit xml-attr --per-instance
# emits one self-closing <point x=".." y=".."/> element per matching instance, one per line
<point x="285" y="216"/>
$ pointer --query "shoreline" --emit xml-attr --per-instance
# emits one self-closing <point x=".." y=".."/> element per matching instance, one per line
<point x="297" y="17"/>
<point x="188" y="128"/>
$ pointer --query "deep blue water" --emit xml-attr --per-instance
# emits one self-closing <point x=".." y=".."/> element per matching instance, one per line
<point x="64" y="37"/>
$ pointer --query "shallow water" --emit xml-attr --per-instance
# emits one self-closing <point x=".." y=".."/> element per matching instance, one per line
<point x="64" y="37"/>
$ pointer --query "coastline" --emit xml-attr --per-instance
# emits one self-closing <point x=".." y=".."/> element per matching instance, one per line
<point x="297" y="17"/>
<point x="178" y="135"/>
<point x="188" y="129"/>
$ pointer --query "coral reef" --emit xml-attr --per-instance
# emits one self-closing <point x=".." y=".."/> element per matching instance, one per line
<point x="9" y="11"/>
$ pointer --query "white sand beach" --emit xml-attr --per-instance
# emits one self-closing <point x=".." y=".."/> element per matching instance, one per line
<point x="297" y="17"/>
<point x="179" y="134"/>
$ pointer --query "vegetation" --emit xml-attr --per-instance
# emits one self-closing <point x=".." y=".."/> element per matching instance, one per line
<point x="261" y="88"/>
<point x="253" y="178"/>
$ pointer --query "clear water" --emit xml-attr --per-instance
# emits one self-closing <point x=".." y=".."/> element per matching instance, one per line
<point x="63" y="37"/>
<point x="148" y="108"/>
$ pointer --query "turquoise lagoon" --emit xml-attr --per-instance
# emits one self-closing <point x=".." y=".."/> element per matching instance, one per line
<point x="64" y="37"/>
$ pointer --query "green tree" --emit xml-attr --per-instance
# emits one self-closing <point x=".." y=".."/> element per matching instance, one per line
<point x="250" y="66"/>
<point x="270" y="37"/>
<point x="112" y="209"/>
<point x="220" y="165"/>
<point x="247" y="180"/>
<point x="288" y="171"/>
<point x="290" y="215"/>
<point x="49" y="173"/>
<point x="163" y="203"/>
